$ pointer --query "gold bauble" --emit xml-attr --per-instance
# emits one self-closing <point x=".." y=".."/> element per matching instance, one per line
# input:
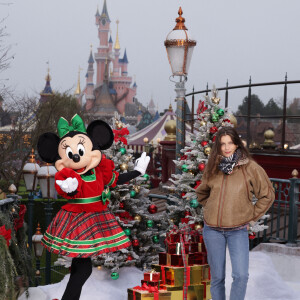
<point x="202" y="123"/>
<point x="137" y="218"/>
<point x="198" y="226"/>
<point x="191" y="172"/>
<point x="207" y="150"/>
<point x="215" y="100"/>
<point x="137" y="188"/>
<point x="123" y="167"/>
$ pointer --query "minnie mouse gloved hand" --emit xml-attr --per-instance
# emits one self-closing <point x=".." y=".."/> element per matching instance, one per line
<point x="69" y="185"/>
<point x="141" y="163"/>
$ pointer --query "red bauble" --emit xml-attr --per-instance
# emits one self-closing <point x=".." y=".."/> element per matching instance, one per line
<point x="214" y="138"/>
<point x="204" y="143"/>
<point x="187" y="213"/>
<point x="121" y="205"/>
<point x="183" y="157"/>
<point x="183" y="194"/>
<point x="129" y="258"/>
<point x="213" y="129"/>
<point x="152" y="209"/>
<point x="201" y="166"/>
<point x="135" y="242"/>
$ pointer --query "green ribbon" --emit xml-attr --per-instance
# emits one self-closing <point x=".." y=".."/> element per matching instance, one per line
<point x="63" y="126"/>
<point x="105" y="195"/>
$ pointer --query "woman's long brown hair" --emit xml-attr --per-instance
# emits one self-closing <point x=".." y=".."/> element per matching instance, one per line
<point x="215" y="154"/>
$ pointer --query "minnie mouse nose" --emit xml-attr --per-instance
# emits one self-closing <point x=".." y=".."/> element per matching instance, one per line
<point x="76" y="158"/>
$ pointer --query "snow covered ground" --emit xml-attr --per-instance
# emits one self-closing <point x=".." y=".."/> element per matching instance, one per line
<point x="271" y="277"/>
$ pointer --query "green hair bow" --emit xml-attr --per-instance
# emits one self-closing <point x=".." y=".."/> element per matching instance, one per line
<point x="63" y="126"/>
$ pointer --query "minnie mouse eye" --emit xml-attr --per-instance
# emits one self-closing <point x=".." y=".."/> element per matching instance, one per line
<point x="80" y="149"/>
<point x="69" y="152"/>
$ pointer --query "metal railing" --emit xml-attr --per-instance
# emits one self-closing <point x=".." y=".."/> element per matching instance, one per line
<point x="227" y="88"/>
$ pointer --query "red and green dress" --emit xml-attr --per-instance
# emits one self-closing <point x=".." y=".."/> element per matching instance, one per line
<point x="84" y="227"/>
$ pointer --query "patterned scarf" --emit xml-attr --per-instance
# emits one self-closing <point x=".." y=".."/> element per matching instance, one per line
<point x="227" y="163"/>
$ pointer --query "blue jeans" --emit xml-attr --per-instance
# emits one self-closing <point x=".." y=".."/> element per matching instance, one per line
<point x="238" y="245"/>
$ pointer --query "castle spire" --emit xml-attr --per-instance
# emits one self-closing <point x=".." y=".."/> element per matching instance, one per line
<point x="104" y="13"/>
<point x="117" y="44"/>
<point x="78" y="89"/>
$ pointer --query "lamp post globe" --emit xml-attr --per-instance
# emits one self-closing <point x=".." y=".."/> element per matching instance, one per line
<point x="46" y="179"/>
<point x="30" y="171"/>
<point x="180" y="45"/>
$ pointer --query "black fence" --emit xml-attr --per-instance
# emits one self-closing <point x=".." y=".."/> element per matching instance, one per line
<point x="246" y="132"/>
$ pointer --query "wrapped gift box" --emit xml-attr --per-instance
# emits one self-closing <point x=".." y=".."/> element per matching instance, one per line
<point x="145" y="295"/>
<point x="175" y="275"/>
<point x="152" y="283"/>
<point x="207" y="294"/>
<point x="199" y="258"/>
<point x="197" y="247"/>
<point x="175" y="248"/>
<point x="151" y="276"/>
<point x="175" y="260"/>
<point x="194" y="292"/>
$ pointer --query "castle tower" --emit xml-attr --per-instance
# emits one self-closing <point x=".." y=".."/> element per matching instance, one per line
<point x="103" y="23"/>
<point x="78" y="93"/>
<point x="124" y="63"/>
<point x="116" y="66"/>
<point x="151" y="107"/>
<point x="47" y="92"/>
<point x="89" y="95"/>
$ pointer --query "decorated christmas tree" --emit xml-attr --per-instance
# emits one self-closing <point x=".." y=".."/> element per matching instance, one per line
<point x="184" y="207"/>
<point x="134" y="211"/>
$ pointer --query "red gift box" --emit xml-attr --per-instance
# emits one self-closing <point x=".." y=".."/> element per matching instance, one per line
<point x="198" y="247"/>
<point x="175" y="248"/>
<point x="199" y="258"/>
<point x="151" y="283"/>
<point x="175" y="260"/>
<point x="152" y="276"/>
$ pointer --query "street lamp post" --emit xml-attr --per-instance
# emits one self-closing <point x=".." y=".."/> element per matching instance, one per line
<point x="38" y="252"/>
<point x="180" y="46"/>
<point x="30" y="171"/>
<point x="46" y="179"/>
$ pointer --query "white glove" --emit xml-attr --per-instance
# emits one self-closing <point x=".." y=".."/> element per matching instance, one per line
<point x="69" y="185"/>
<point x="141" y="163"/>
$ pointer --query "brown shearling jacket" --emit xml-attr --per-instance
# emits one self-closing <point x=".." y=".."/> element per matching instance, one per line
<point x="227" y="199"/>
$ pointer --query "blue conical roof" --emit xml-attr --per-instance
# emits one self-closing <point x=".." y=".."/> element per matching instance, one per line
<point x="91" y="59"/>
<point x="125" y="60"/>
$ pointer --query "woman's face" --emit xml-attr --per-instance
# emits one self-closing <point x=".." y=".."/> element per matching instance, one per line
<point x="227" y="146"/>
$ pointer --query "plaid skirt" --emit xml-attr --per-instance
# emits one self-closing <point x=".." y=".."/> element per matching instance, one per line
<point x="84" y="234"/>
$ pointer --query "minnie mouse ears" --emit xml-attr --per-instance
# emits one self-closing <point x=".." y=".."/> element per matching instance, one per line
<point x="101" y="134"/>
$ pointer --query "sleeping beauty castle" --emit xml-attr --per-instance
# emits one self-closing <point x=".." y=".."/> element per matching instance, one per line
<point x="108" y="88"/>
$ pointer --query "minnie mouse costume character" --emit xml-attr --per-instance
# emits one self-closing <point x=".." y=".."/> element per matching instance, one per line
<point x="84" y="227"/>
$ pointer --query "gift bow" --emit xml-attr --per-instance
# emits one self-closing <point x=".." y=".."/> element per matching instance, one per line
<point x="63" y="126"/>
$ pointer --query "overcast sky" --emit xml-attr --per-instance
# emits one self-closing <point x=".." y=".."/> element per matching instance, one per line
<point x="236" y="39"/>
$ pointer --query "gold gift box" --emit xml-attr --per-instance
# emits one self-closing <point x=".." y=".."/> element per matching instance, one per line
<point x="174" y="275"/>
<point x="207" y="294"/>
<point x="194" y="292"/>
<point x="163" y="295"/>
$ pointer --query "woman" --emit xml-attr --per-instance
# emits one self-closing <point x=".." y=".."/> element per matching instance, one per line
<point x="230" y="180"/>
